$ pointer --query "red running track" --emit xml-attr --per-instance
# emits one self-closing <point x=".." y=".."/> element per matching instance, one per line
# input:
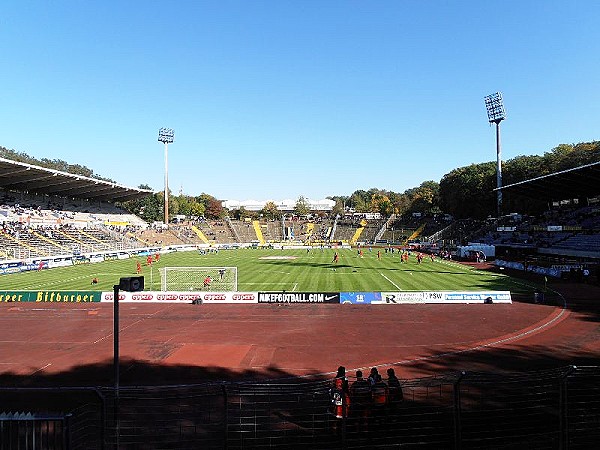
<point x="181" y="343"/>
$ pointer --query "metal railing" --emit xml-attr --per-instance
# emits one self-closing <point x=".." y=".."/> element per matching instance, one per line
<point x="551" y="409"/>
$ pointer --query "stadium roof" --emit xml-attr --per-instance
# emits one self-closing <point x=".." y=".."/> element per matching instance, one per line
<point x="35" y="179"/>
<point x="578" y="182"/>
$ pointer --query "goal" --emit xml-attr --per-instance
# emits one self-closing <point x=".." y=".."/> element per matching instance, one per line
<point x="198" y="279"/>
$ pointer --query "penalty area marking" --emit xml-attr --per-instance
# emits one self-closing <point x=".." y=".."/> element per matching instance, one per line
<point x="395" y="285"/>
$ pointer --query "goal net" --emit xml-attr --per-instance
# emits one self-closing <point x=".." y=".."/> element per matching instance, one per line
<point x="198" y="279"/>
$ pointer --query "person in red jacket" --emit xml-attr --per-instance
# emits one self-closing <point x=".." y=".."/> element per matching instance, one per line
<point x="340" y="399"/>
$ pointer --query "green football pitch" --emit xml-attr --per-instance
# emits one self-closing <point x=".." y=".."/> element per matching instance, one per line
<point x="282" y="270"/>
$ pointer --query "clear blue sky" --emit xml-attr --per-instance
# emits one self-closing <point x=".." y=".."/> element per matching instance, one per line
<point x="275" y="99"/>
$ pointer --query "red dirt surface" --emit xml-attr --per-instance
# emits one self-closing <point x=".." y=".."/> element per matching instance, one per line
<point x="51" y="343"/>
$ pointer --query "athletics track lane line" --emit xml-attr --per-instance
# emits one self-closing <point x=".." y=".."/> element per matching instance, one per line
<point x="556" y="317"/>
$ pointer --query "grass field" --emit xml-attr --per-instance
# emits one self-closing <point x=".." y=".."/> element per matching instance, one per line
<point x="278" y="270"/>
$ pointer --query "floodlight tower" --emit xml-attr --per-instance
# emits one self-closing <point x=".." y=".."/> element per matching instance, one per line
<point x="166" y="136"/>
<point x="496" y="114"/>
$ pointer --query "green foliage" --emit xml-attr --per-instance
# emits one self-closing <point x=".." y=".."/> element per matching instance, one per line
<point x="463" y="192"/>
<point x="469" y="191"/>
<point x="270" y="211"/>
<point x="302" y="208"/>
<point x="54" y="164"/>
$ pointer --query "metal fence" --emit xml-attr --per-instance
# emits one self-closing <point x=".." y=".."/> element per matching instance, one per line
<point x="552" y="409"/>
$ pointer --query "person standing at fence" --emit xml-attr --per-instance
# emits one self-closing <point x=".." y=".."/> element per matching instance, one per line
<point x="395" y="396"/>
<point x="360" y="396"/>
<point x="379" y="400"/>
<point x="340" y="399"/>
<point x="373" y="375"/>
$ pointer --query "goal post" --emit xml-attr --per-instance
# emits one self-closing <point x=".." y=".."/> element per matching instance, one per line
<point x="221" y="279"/>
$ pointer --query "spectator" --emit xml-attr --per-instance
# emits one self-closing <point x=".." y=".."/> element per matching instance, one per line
<point x="340" y="399"/>
<point x="379" y="396"/>
<point x="396" y="396"/>
<point x="373" y="376"/>
<point x="360" y="396"/>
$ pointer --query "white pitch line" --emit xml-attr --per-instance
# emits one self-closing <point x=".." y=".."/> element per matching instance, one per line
<point x="397" y="287"/>
<point x="41" y="368"/>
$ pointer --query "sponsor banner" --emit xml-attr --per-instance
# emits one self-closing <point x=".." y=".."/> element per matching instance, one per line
<point x="360" y="297"/>
<point x="298" y="297"/>
<point x="96" y="258"/>
<point x="32" y="266"/>
<point x="50" y="296"/>
<point x="478" y="297"/>
<point x="80" y="260"/>
<point x="566" y="267"/>
<point x="391" y="298"/>
<point x="509" y="264"/>
<point x="182" y="297"/>
<point x="116" y="223"/>
<point x="506" y="228"/>
<point x="548" y="271"/>
<point x="230" y="297"/>
<point x="445" y="297"/>
<point x="153" y="297"/>
<point x="59" y="262"/>
<point x="12" y="267"/>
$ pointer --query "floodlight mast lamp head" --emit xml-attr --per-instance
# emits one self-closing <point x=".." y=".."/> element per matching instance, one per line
<point x="495" y="108"/>
<point x="166" y="135"/>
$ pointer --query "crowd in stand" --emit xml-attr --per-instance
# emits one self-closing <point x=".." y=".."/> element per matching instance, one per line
<point x="547" y="230"/>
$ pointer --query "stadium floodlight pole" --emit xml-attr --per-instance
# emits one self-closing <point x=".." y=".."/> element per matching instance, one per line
<point x="166" y="136"/>
<point x="496" y="114"/>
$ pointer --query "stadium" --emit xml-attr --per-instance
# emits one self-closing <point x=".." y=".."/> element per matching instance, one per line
<point x="228" y="331"/>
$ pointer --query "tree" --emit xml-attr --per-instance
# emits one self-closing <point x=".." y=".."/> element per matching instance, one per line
<point x="360" y="200"/>
<point x="381" y="203"/>
<point x="214" y="209"/>
<point x="270" y="211"/>
<point x="302" y="207"/>
<point x="197" y="209"/>
<point x="339" y="209"/>
<point x="469" y="191"/>
<point x="425" y="198"/>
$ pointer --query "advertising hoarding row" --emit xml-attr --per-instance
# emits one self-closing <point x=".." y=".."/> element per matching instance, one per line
<point x="366" y="298"/>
